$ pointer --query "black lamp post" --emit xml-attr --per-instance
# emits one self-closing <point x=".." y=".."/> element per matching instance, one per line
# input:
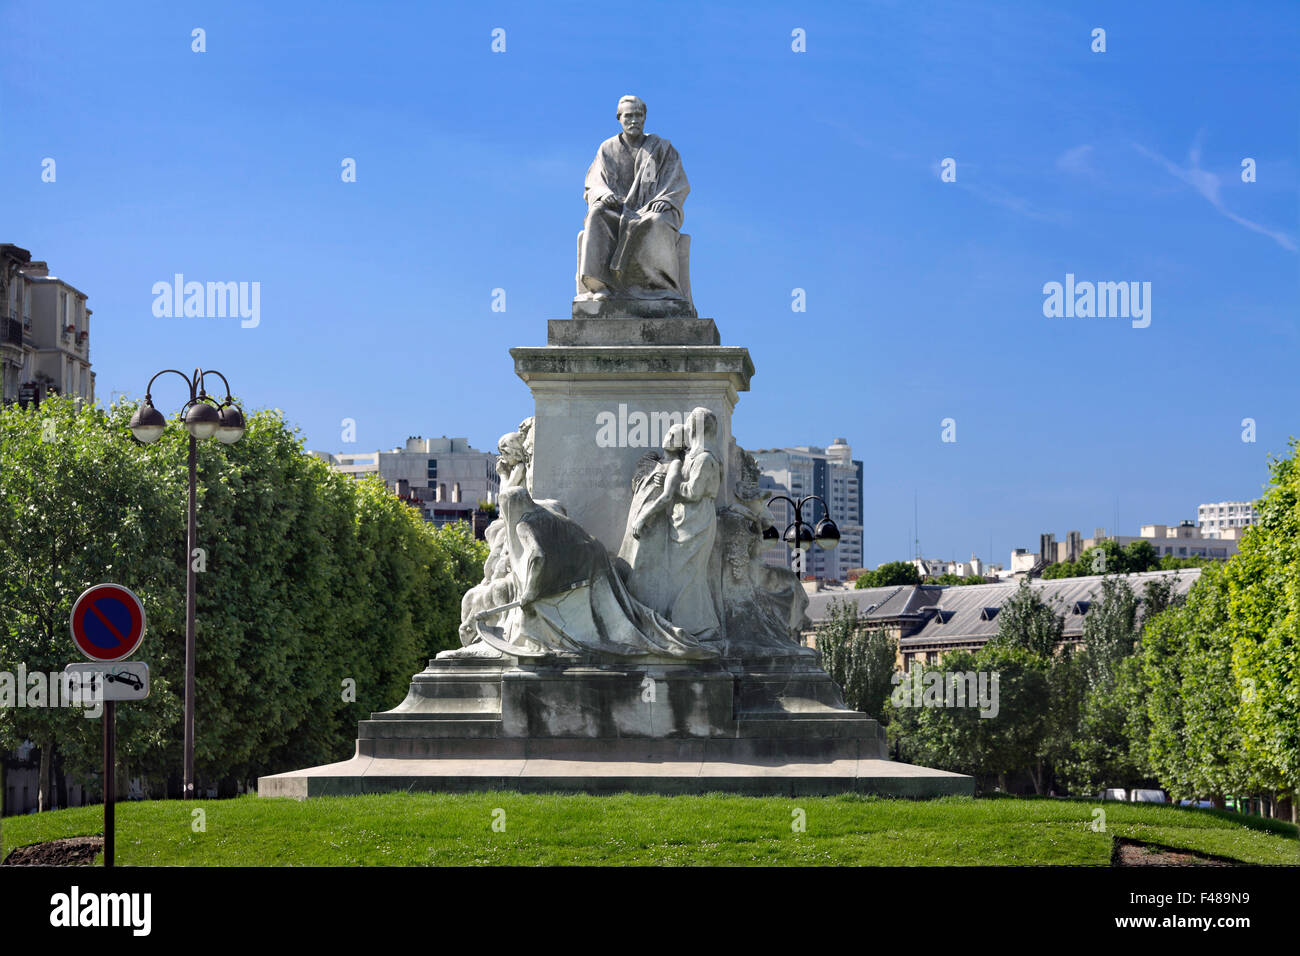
<point x="204" y="417"/>
<point x="798" y="536"/>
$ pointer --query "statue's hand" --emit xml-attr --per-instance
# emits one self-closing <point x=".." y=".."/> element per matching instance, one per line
<point x="637" y="529"/>
<point x="610" y="201"/>
<point x="660" y="206"/>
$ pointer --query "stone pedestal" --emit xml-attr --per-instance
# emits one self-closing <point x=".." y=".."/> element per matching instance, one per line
<point x="605" y="393"/>
<point x="747" y="727"/>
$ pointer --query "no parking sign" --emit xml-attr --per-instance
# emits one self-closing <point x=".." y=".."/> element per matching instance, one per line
<point x="107" y="622"/>
<point x="107" y="626"/>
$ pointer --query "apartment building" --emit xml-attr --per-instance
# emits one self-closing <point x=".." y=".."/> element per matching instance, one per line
<point x="44" y="332"/>
<point x="831" y="473"/>
<point x="444" y="477"/>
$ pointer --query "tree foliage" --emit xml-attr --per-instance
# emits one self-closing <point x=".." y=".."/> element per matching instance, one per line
<point x="889" y="574"/>
<point x="1222" y="672"/>
<point x="319" y="595"/>
<point x="860" y="658"/>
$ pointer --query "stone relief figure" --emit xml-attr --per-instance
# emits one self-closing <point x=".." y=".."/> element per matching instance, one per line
<point x="496" y="588"/>
<point x="645" y="541"/>
<point x="635" y="190"/>
<point x="513" y="459"/>
<point x="568" y="598"/>
<point x="764" y="607"/>
<point x="693" y="527"/>
<point x="529" y="436"/>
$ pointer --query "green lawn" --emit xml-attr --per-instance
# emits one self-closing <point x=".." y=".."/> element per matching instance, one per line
<point x="456" y="829"/>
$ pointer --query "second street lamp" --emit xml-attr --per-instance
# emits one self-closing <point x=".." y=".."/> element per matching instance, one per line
<point x="799" y="538"/>
<point x="203" y="418"/>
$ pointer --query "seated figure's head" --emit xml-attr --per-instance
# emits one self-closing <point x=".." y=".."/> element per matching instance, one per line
<point x="631" y="114"/>
<point x="510" y="447"/>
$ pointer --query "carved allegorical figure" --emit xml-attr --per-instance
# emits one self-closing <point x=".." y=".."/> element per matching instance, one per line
<point x="569" y="599"/>
<point x="672" y="524"/>
<point x="549" y="588"/>
<point x="635" y="190"/>
<point x="645" y="541"/>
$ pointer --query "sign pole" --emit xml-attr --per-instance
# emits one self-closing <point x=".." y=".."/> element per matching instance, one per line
<point x="110" y="782"/>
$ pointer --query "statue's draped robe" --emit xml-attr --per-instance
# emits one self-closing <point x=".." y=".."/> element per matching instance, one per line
<point x="634" y="250"/>
<point x="584" y="608"/>
<point x="651" y="579"/>
<point x="693" y="527"/>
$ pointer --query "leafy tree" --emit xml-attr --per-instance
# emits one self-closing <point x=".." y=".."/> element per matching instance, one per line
<point x="1222" y="714"/>
<point x="1100" y="751"/>
<point x="319" y="596"/>
<point x="1263" y="582"/>
<point x="1023" y="736"/>
<point x="78" y="506"/>
<point x="1171" y="563"/>
<point x="859" y="658"/>
<point x="1193" y="740"/>
<point x="1061" y="569"/>
<point x="1104" y="558"/>
<point x="888" y="575"/>
<point x="957" y="581"/>
<point x="1028" y="622"/>
<point x="1140" y="556"/>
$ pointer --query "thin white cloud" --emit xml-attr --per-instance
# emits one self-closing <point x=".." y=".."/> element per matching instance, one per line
<point x="1207" y="184"/>
<point x="1076" y="160"/>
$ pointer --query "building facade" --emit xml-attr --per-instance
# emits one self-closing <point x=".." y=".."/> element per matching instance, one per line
<point x="930" y="620"/>
<point x="1213" y="520"/>
<point x="444" y="477"/>
<point x="834" y="475"/>
<point x="44" y="332"/>
<point x="1183" y="540"/>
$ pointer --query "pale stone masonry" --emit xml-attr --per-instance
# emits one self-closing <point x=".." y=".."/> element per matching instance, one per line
<point x="44" y="332"/>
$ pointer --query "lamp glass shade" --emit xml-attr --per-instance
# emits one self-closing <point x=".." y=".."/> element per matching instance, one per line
<point x="231" y="427"/>
<point x="770" y="533"/>
<point x="147" y="423"/>
<point x="828" y="535"/>
<point x="202" y="420"/>
<point x="799" y="536"/>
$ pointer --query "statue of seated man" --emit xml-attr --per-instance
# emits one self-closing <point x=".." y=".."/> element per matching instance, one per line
<point x="634" y="192"/>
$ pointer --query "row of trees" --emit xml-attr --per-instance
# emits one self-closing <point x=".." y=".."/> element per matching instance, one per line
<point x="1201" y="695"/>
<point x="1109" y="557"/>
<point x="319" y="595"/>
<point x="894" y="573"/>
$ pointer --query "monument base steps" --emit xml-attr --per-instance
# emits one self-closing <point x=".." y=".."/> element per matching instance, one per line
<point x="755" y="727"/>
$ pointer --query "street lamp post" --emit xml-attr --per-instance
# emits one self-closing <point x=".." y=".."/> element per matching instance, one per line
<point x="204" y="417"/>
<point x="798" y="536"/>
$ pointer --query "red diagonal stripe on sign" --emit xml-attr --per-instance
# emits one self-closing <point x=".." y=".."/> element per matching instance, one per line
<point x="107" y="623"/>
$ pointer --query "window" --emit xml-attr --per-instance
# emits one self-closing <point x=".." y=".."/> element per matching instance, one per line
<point x="432" y="472"/>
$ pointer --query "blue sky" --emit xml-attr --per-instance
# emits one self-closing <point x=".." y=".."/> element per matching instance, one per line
<point x="816" y="170"/>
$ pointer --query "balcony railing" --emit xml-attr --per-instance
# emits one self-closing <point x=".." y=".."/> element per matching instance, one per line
<point x="13" y="332"/>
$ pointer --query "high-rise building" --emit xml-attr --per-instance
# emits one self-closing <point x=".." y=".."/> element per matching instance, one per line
<point x="1215" y="519"/>
<point x="834" y="475"/>
<point x="44" y="332"/>
<point x="444" y="476"/>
